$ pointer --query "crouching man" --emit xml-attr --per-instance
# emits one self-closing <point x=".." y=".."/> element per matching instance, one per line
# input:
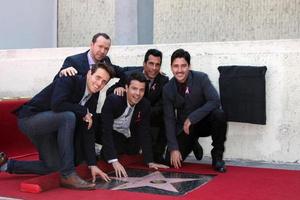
<point x="126" y="125"/>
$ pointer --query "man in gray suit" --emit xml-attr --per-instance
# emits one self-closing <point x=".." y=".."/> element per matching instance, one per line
<point x="191" y="110"/>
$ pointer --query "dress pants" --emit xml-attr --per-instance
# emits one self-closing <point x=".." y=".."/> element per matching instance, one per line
<point x="159" y="143"/>
<point x="52" y="134"/>
<point x="122" y="145"/>
<point x="214" y="125"/>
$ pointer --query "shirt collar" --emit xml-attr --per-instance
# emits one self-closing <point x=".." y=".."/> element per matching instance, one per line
<point x="128" y="105"/>
<point x="86" y="91"/>
<point x="90" y="59"/>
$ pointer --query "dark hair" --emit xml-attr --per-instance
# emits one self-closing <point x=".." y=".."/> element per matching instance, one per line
<point x="181" y="53"/>
<point x="153" y="52"/>
<point x="109" y="69"/>
<point x="137" y="76"/>
<point x="98" y="35"/>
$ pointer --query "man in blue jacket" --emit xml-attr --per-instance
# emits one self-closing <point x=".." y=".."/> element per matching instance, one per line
<point x="81" y="63"/>
<point x="50" y="120"/>
<point x="192" y="110"/>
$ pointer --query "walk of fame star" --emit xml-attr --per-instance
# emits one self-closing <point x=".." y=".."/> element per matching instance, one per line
<point x="167" y="183"/>
<point x="155" y="179"/>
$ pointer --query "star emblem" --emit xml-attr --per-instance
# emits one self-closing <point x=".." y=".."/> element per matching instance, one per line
<point x="155" y="180"/>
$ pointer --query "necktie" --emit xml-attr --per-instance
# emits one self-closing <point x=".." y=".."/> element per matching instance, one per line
<point x="128" y="112"/>
<point x="85" y="99"/>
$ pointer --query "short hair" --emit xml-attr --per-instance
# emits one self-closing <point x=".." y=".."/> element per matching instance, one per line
<point x="138" y="76"/>
<point x="181" y="53"/>
<point x="153" y="52"/>
<point x="98" y="35"/>
<point x="109" y="69"/>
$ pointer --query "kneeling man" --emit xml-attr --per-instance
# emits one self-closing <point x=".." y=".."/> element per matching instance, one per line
<point x="49" y="120"/>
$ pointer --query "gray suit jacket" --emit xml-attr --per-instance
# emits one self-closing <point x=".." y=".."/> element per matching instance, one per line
<point x="200" y="99"/>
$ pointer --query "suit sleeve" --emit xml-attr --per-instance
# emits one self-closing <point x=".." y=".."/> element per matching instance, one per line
<point x="89" y="135"/>
<point x="120" y="83"/>
<point x="170" y="120"/>
<point x="67" y="63"/>
<point x="107" y="128"/>
<point x="62" y="93"/>
<point x="212" y="101"/>
<point x="119" y="70"/>
<point x="144" y="136"/>
<point x="85" y="142"/>
<point x="123" y="77"/>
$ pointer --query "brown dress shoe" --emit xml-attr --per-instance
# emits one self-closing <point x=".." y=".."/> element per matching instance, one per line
<point x="73" y="181"/>
<point x="3" y="158"/>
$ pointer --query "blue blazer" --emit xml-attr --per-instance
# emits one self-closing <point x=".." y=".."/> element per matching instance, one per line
<point x="63" y="94"/>
<point x="114" y="106"/>
<point x="81" y="64"/>
<point x="200" y="99"/>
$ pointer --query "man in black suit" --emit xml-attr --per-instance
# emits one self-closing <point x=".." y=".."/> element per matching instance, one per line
<point x="151" y="70"/>
<point x="192" y="110"/>
<point x="126" y="124"/>
<point x="50" y="118"/>
<point x="81" y="63"/>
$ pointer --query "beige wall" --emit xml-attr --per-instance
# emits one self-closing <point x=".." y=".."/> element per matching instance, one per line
<point x="225" y="20"/>
<point x="176" y="21"/>
<point x="25" y="72"/>
<point x="79" y="20"/>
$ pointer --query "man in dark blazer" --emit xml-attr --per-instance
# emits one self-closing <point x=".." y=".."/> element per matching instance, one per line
<point x="151" y="70"/>
<point x="50" y="118"/>
<point x="81" y="63"/>
<point x="192" y="110"/>
<point x="126" y="124"/>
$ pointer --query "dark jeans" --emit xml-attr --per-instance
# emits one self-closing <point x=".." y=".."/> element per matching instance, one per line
<point x="52" y="134"/>
<point x="214" y="125"/>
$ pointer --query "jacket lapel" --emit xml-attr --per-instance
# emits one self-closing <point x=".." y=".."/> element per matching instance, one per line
<point x="178" y="99"/>
<point x="189" y="88"/>
<point x="80" y="89"/>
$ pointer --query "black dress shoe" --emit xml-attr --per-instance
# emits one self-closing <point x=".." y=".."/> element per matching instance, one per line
<point x="198" y="151"/>
<point x="73" y="181"/>
<point x="3" y="158"/>
<point x="219" y="166"/>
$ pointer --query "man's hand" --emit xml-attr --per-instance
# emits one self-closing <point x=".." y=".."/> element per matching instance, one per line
<point x="96" y="171"/>
<point x="70" y="71"/>
<point x="119" y="169"/>
<point x="156" y="166"/>
<point x="176" y="158"/>
<point x="186" y="126"/>
<point x="89" y="119"/>
<point x="119" y="91"/>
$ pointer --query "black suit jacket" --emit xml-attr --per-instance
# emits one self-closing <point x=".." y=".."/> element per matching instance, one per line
<point x="200" y="99"/>
<point x="64" y="94"/>
<point x="154" y="94"/>
<point x="81" y="64"/>
<point x="114" y="106"/>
